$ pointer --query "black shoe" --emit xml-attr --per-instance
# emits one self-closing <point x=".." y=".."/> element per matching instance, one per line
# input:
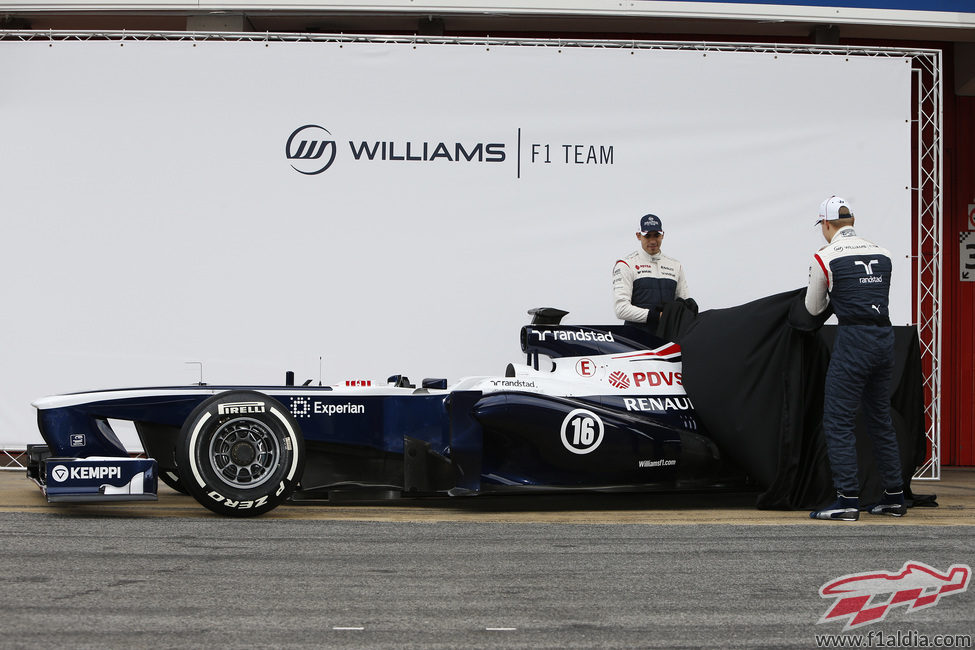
<point x="892" y="503"/>
<point x="843" y="509"/>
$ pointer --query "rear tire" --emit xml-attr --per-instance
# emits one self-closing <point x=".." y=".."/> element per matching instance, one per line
<point x="240" y="453"/>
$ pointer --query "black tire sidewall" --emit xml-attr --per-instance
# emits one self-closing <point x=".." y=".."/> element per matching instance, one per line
<point x="171" y="478"/>
<point x="207" y="486"/>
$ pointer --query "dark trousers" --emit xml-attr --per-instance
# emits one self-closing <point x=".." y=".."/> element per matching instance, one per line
<point x="859" y="373"/>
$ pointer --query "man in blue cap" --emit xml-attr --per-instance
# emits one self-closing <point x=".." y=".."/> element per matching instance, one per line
<point x="854" y="275"/>
<point x="646" y="279"/>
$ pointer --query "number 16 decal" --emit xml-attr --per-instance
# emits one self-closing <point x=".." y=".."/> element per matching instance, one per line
<point x="582" y="431"/>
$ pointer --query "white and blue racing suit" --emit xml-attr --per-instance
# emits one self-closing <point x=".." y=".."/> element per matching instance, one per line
<point x="643" y="284"/>
<point x="854" y="275"/>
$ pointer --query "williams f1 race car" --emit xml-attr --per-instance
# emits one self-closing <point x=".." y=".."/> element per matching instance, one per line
<point x="594" y="408"/>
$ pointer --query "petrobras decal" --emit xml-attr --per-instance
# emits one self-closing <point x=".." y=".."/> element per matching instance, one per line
<point x="657" y="404"/>
<point x="305" y="407"/>
<point x="572" y="336"/>
<point x="586" y="367"/>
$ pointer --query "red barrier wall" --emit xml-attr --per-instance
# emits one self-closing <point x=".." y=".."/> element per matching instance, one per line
<point x="958" y="298"/>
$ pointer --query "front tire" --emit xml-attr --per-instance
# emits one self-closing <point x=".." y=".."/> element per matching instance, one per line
<point x="240" y="453"/>
<point x="171" y="478"/>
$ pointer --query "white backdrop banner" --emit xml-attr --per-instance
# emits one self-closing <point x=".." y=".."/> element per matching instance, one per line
<point x="396" y="208"/>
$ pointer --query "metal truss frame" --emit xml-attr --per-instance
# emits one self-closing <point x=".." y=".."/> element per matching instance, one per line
<point x="13" y="458"/>
<point x="926" y="65"/>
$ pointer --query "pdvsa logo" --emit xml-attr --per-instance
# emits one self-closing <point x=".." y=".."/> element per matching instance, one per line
<point x="311" y="149"/>
<point x="619" y="380"/>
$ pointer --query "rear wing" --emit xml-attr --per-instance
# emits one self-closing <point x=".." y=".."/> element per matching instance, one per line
<point x="546" y="335"/>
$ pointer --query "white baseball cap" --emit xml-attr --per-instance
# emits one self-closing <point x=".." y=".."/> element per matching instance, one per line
<point x="829" y="210"/>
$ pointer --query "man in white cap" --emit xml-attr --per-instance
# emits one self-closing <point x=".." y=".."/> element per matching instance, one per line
<point x="854" y="275"/>
<point x="646" y="279"/>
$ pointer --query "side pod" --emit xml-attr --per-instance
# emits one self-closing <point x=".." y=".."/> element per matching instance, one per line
<point x="532" y="439"/>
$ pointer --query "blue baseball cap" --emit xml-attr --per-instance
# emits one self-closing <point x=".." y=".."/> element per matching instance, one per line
<point x="650" y="223"/>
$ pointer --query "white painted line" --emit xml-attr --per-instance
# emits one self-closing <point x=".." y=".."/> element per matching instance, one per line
<point x="500" y="629"/>
<point x="355" y="629"/>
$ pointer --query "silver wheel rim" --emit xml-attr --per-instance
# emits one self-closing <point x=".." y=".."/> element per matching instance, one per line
<point x="243" y="452"/>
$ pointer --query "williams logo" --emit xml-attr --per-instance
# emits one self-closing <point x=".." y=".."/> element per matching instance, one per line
<point x="311" y="149"/>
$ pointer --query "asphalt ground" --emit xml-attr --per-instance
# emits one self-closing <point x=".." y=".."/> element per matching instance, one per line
<point x="625" y="571"/>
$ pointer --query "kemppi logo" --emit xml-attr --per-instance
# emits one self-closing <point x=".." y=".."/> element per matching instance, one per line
<point x="311" y="149"/>
<point x="61" y="473"/>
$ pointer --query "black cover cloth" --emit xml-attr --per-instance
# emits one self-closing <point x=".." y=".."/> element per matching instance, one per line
<point x="755" y="374"/>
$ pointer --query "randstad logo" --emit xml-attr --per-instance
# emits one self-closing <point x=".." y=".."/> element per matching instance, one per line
<point x="311" y="149"/>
